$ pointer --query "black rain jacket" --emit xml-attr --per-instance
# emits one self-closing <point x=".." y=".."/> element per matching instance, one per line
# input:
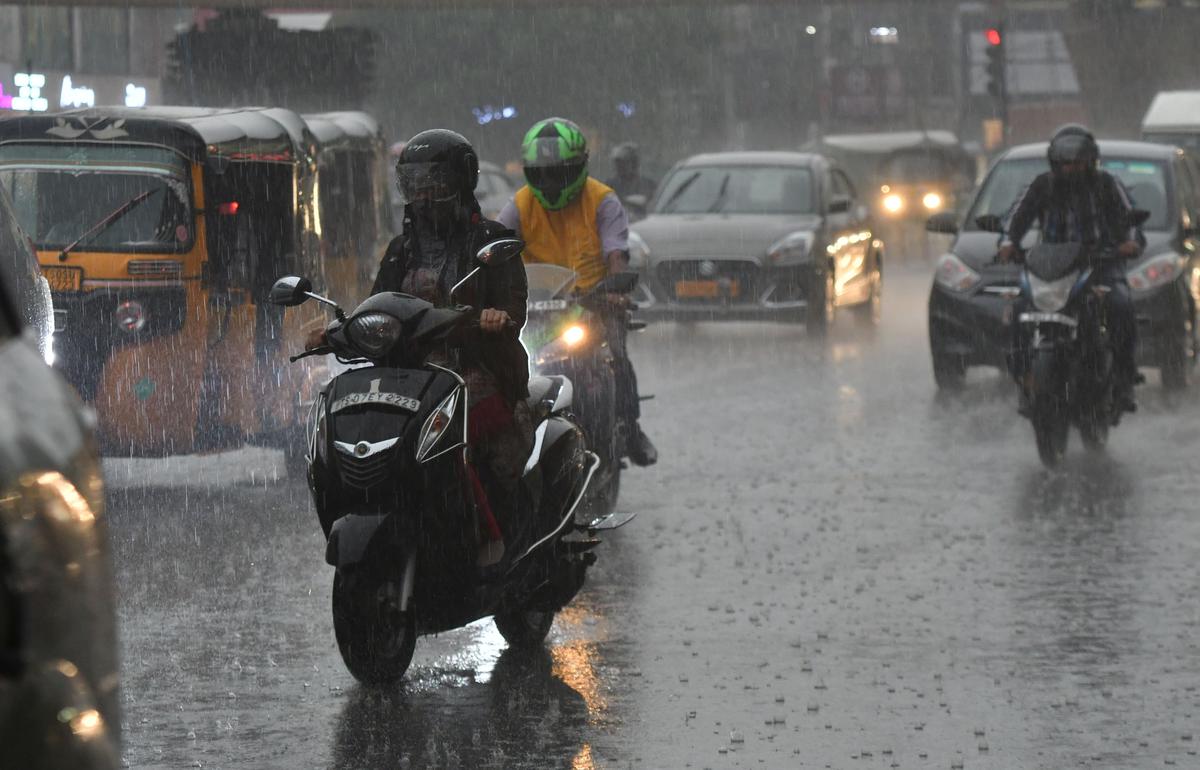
<point x="503" y="287"/>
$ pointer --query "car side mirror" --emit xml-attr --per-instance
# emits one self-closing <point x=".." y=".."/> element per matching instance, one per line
<point x="290" y="290"/>
<point x="1138" y="217"/>
<point x="839" y="204"/>
<point x="944" y="222"/>
<point x="636" y="201"/>
<point x="989" y="223"/>
<point x="499" y="251"/>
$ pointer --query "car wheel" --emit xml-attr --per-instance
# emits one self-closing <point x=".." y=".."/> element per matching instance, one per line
<point x="868" y="313"/>
<point x="949" y="371"/>
<point x="1179" y="361"/>
<point x="822" y="308"/>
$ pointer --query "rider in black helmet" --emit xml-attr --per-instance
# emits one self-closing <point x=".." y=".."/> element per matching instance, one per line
<point x="1077" y="201"/>
<point x="436" y="174"/>
<point x="628" y="179"/>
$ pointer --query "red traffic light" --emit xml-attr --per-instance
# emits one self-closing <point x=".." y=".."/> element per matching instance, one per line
<point x="993" y="36"/>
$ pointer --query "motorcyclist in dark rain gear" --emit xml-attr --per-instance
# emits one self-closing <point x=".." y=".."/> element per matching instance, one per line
<point x="436" y="174"/>
<point x="628" y="180"/>
<point x="1077" y="202"/>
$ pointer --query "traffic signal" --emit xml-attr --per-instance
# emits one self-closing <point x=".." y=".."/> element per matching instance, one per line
<point x="996" y="62"/>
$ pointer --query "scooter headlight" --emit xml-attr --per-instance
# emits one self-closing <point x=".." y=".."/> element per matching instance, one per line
<point x="374" y="333"/>
<point x="1051" y="296"/>
<point x="436" y="426"/>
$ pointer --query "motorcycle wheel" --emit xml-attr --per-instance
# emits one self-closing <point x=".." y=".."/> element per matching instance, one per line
<point x="1051" y="427"/>
<point x="524" y="628"/>
<point x="375" y="639"/>
<point x="949" y="371"/>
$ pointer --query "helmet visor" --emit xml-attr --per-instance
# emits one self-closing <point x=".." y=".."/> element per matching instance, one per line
<point x="424" y="182"/>
<point x="547" y="151"/>
<point x="1069" y="149"/>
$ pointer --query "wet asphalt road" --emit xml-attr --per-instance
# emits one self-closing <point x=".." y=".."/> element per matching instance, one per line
<point x="832" y="568"/>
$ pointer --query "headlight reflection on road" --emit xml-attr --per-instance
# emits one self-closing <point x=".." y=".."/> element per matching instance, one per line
<point x="575" y="661"/>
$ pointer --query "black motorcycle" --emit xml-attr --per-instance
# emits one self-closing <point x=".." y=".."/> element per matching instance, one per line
<point x="1063" y="341"/>
<point x="566" y="336"/>
<point x="413" y="544"/>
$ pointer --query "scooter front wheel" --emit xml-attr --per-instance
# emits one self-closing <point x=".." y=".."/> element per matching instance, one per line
<point x="524" y="628"/>
<point x="375" y="638"/>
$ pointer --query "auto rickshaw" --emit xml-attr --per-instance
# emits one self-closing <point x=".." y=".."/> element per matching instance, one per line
<point x="161" y="231"/>
<point x="352" y="193"/>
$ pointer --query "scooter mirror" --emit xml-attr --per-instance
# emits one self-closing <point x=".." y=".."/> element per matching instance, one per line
<point x="989" y="223"/>
<point x="290" y="290"/>
<point x="498" y="252"/>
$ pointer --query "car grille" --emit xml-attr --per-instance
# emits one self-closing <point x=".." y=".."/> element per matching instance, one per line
<point x="745" y="274"/>
<point x="365" y="472"/>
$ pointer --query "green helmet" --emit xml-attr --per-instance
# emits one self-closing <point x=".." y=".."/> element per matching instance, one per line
<point x="555" y="155"/>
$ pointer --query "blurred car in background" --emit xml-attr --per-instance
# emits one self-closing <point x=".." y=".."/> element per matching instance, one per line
<point x="758" y="235"/>
<point x="1174" y="118"/>
<point x="971" y="299"/>
<point x="906" y="175"/>
<point x="493" y="190"/>
<point x="58" y="657"/>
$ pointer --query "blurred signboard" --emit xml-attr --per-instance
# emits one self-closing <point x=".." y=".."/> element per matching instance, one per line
<point x="866" y="93"/>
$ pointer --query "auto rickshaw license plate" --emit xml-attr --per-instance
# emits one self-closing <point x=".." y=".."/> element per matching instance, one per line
<point x="387" y="399"/>
<point x="706" y="289"/>
<point x="64" y="278"/>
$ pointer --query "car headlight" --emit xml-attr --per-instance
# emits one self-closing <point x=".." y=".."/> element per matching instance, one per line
<point x="793" y="247"/>
<point x="954" y="274"/>
<point x="130" y="316"/>
<point x="639" y="252"/>
<point x="374" y="333"/>
<point x="436" y="425"/>
<point x="893" y="203"/>
<point x="1051" y="296"/>
<point x="932" y="201"/>
<point x="1156" y="272"/>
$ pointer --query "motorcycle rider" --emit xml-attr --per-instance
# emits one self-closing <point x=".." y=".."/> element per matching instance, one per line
<point x="1077" y="202"/>
<point x="443" y="229"/>
<point x="573" y="220"/>
<point x="628" y="179"/>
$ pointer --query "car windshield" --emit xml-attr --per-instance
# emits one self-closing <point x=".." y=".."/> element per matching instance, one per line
<point x="918" y="166"/>
<point x="1145" y="180"/>
<point x="737" y="190"/>
<point x="549" y="281"/>
<point x="62" y="191"/>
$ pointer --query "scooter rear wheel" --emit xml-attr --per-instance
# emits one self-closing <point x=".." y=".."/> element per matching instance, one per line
<point x="375" y="639"/>
<point x="524" y="628"/>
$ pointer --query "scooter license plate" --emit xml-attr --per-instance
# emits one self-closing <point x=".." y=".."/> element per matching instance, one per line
<point x="385" y="399"/>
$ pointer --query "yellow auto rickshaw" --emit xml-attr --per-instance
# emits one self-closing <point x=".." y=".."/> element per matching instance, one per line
<point x="161" y="232"/>
<point x="353" y="175"/>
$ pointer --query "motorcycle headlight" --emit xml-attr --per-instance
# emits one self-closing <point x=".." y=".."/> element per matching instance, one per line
<point x="374" y="333"/>
<point x="572" y="338"/>
<point x="639" y="252"/>
<point x="954" y="274"/>
<point x="435" y="426"/>
<point x="1156" y="272"/>
<point x="1051" y="296"/>
<point x="793" y="247"/>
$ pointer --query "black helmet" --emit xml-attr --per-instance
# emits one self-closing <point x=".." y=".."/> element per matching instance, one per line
<point x="437" y="164"/>
<point x="625" y="152"/>
<point x="1072" y="143"/>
